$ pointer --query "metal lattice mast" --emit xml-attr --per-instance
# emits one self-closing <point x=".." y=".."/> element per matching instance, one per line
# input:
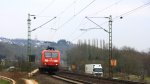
<point x="110" y="46"/>
<point x="29" y="50"/>
<point x="29" y="36"/>
<point x="110" y="40"/>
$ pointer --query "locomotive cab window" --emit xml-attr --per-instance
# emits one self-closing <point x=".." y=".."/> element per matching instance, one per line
<point x="54" y="55"/>
<point x="51" y="55"/>
<point x="47" y="54"/>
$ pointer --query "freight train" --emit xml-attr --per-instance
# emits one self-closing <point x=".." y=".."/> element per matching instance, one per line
<point x="50" y="60"/>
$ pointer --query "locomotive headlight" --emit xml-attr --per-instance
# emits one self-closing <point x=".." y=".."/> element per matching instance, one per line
<point x="46" y="60"/>
<point x="55" y="60"/>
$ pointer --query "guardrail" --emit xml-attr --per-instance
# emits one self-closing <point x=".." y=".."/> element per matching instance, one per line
<point x="8" y="79"/>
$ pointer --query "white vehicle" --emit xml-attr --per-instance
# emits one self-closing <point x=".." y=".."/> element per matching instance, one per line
<point x="94" y="69"/>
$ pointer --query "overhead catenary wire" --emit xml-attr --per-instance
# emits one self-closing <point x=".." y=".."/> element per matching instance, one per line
<point x="133" y="10"/>
<point x="128" y="12"/>
<point x="50" y="4"/>
<point x="69" y="6"/>
<point x="73" y="16"/>
<point x="98" y="12"/>
<point x="107" y="7"/>
<point x="42" y="25"/>
<point x="63" y="11"/>
<point x="73" y="32"/>
<point x="76" y="14"/>
<point x="124" y="14"/>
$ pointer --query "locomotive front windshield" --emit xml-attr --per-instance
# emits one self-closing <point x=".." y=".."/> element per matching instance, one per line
<point x="51" y="55"/>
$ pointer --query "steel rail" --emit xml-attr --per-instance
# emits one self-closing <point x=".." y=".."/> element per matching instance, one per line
<point x="94" y="79"/>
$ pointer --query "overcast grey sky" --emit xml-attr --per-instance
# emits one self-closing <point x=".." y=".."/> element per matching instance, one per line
<point x="133" y="30"/>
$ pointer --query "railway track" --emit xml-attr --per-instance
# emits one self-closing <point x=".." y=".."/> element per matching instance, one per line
<point x="67" y="80"/>
<point x="49" y="78"/>
<point x="88" y="79"/>
<point x="52" y="79"/>
<point x="64" y="77"/>
<point x="76" y="78"/>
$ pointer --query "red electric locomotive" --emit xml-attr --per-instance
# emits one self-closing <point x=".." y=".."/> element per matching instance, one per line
<point x="50" y="60"/>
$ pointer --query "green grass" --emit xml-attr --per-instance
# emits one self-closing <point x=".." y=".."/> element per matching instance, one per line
<point x="147" y="79"/>
<point x="4" y="82"/>
<point x="133" y="78"/>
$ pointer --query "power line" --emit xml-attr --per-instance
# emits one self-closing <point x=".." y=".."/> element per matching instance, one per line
<point x="126" y="13"/>
<point x="59" y="13"/>
<point x="129" y="12"/>
<point x="135" y="9"/>
<point x="85" y="7"/>
<point x="73" y="32"/>
<point x="42" y="24"/>
<point x="45" y="7"/>
<point x="74" y="16"/>
<point x="107" y="7"/>
<point x="67" y="8"/>
<point x="63" y="11"/>
<point x="97" y="13"/>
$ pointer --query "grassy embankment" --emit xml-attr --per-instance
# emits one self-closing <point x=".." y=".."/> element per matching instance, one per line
<point x="4" y="82"/>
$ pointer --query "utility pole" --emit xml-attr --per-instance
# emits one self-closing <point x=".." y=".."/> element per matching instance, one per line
<point x="110" y="40"/>
<point x="110" y="46"/>
<point x="29" y="50"/>
<point x="29" y="36"/>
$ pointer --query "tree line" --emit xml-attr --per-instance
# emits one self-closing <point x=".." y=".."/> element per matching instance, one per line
<point x="129" y="60"/>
